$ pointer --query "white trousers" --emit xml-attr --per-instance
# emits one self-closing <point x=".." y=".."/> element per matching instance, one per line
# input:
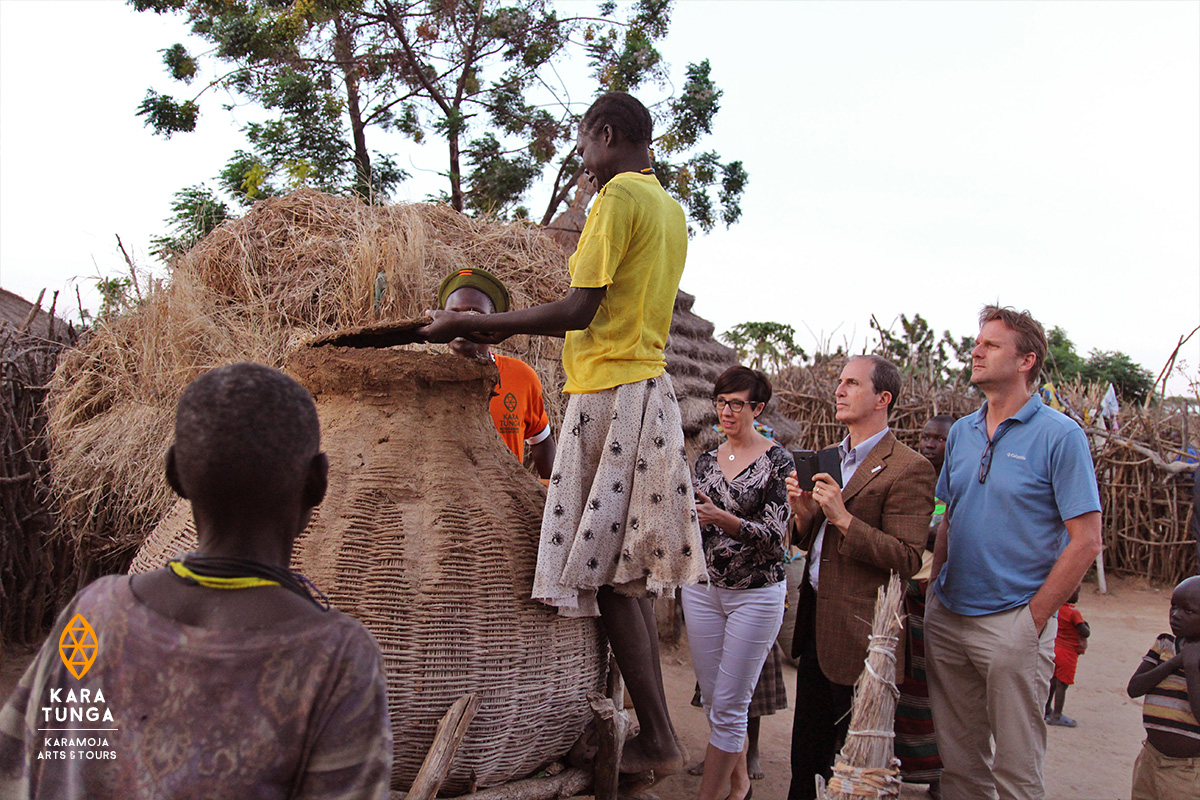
<point x="730" y="632"/>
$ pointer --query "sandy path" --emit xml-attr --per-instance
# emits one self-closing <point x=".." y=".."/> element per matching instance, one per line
<point x="1091" y="762"/>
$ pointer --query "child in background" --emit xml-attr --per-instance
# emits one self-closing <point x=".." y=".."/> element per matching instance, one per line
<point x="1071" y="643"/>
<point x="1168" y="767"/>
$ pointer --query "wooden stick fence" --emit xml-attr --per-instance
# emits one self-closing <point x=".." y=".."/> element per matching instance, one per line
<point x="1145" y="493"/>
<point x="35" y="564"/>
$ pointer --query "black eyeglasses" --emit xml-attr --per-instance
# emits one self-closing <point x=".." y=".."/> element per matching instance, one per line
<point x="985" y="461"/>
<point x="735" y="405"/>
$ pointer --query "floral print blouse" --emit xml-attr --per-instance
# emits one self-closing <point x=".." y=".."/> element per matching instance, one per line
<point x="758" y="495"/>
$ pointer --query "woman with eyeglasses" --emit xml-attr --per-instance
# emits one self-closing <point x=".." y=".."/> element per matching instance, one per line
<point x="732" y="621"/>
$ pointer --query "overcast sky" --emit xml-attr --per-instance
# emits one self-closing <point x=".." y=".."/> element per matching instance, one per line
<point x="917" y="157"/>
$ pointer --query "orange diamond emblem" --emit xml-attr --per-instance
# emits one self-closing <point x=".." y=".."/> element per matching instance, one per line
<point x="77" y="646"/>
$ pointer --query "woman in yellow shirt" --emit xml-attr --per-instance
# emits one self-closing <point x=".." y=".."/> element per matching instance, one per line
<point x="620" y="521"/>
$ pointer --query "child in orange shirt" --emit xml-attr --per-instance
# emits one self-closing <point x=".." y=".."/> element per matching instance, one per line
<point x="1071" y="643"/>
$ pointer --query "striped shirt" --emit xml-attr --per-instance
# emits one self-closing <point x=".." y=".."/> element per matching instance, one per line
<point x="1166" y="707"/>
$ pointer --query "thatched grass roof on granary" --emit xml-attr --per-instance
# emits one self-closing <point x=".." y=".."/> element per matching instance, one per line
<point x="292" y="268"/>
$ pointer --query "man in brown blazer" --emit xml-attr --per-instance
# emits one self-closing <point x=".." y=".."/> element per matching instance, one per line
<point x="855" y="537"/>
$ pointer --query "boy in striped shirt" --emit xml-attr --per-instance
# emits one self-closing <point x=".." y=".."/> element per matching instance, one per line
<point x="1169" y="676"/>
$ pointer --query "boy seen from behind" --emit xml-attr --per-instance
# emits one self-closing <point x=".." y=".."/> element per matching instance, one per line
<point x="221" y="674"/>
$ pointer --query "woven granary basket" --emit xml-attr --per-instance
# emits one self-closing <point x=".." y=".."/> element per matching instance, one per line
<point x="429" y="536"/>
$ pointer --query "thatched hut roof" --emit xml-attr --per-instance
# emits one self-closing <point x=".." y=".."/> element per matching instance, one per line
<point x="694" y="360"/>
<point x="15" y="311"/>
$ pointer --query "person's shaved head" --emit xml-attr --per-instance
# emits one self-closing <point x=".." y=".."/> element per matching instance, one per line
<point x="245" y="437"/>
<point x="1190" y="587"/>
<point x="1185" y="609"/>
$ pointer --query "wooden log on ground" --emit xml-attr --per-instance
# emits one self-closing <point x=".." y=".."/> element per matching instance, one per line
<point x="568" y="783"/>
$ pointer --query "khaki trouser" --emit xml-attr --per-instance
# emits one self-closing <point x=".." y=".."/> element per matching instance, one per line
<point x="989" y="677"/>
<point x="1158" y="777"/>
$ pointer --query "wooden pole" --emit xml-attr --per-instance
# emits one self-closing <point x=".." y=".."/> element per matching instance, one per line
<point x="612" y="725"/>
<point x="450" y="732"/>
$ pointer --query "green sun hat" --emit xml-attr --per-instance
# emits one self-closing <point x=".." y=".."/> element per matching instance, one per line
<point x="474" y="278"/>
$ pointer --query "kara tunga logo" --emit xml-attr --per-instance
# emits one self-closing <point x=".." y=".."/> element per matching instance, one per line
<point x="77" y="721"/>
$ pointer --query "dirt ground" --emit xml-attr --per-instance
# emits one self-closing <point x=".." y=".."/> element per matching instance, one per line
<point x="1091" y="762"/>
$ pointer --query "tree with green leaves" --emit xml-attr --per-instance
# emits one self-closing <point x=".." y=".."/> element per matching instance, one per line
<point x="766" y="345"/>
<point x="1131" y="381"/>
<point x="195" y="212"/>
<point x="918" y="351"/>
<point x="478" y="74"/>
<point x="1061" y="358"/>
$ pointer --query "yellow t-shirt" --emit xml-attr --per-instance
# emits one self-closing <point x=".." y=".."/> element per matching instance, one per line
<point x="634" y="243"/>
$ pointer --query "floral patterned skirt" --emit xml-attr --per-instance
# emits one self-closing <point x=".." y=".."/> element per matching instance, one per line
<point x="620" y="510"/>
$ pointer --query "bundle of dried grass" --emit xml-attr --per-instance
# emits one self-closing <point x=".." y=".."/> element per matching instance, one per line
<point x="293" y="267"/>
<point x="867" y="766"/>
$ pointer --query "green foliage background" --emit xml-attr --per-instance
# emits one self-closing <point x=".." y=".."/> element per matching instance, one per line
<point x="478" y="75"/>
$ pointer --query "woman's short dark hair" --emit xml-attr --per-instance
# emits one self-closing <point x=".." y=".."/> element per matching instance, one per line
<point x="735" y="379"/>
<point x="624" y="113"/>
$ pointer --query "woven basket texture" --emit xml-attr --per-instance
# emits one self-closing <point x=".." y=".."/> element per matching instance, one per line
<point x="428" y="535"/>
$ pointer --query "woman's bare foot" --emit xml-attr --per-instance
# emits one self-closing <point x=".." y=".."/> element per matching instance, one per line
<point x="754" y="769"/>
<point x="641" y="755"/>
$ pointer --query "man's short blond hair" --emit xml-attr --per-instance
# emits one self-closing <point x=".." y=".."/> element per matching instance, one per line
<point x="1031" y="336"/>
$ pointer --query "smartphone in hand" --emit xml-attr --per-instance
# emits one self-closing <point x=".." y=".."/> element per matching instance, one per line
<point x="806" y="468"/>
<point x="814" y="462"/>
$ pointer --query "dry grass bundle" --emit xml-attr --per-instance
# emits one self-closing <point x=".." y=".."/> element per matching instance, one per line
<point x="867" y="766"/>
<point x="293" y="267"/>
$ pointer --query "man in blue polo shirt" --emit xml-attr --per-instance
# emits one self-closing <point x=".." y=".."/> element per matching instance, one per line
<point x="1022" y="526"/>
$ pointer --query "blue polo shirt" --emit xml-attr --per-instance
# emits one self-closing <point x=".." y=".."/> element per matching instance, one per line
<point x="1007" y="532"/>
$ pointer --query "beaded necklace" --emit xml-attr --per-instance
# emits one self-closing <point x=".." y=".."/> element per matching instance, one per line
<point x="216" y="572"/>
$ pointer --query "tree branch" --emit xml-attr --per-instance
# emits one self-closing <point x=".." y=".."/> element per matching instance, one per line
<point x="418" y="67"/>
<point x="1173" y="467"/>
<point x="560" y="194"/>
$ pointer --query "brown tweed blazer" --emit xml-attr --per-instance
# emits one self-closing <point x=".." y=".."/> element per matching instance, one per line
<point x="891" y="499"/>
